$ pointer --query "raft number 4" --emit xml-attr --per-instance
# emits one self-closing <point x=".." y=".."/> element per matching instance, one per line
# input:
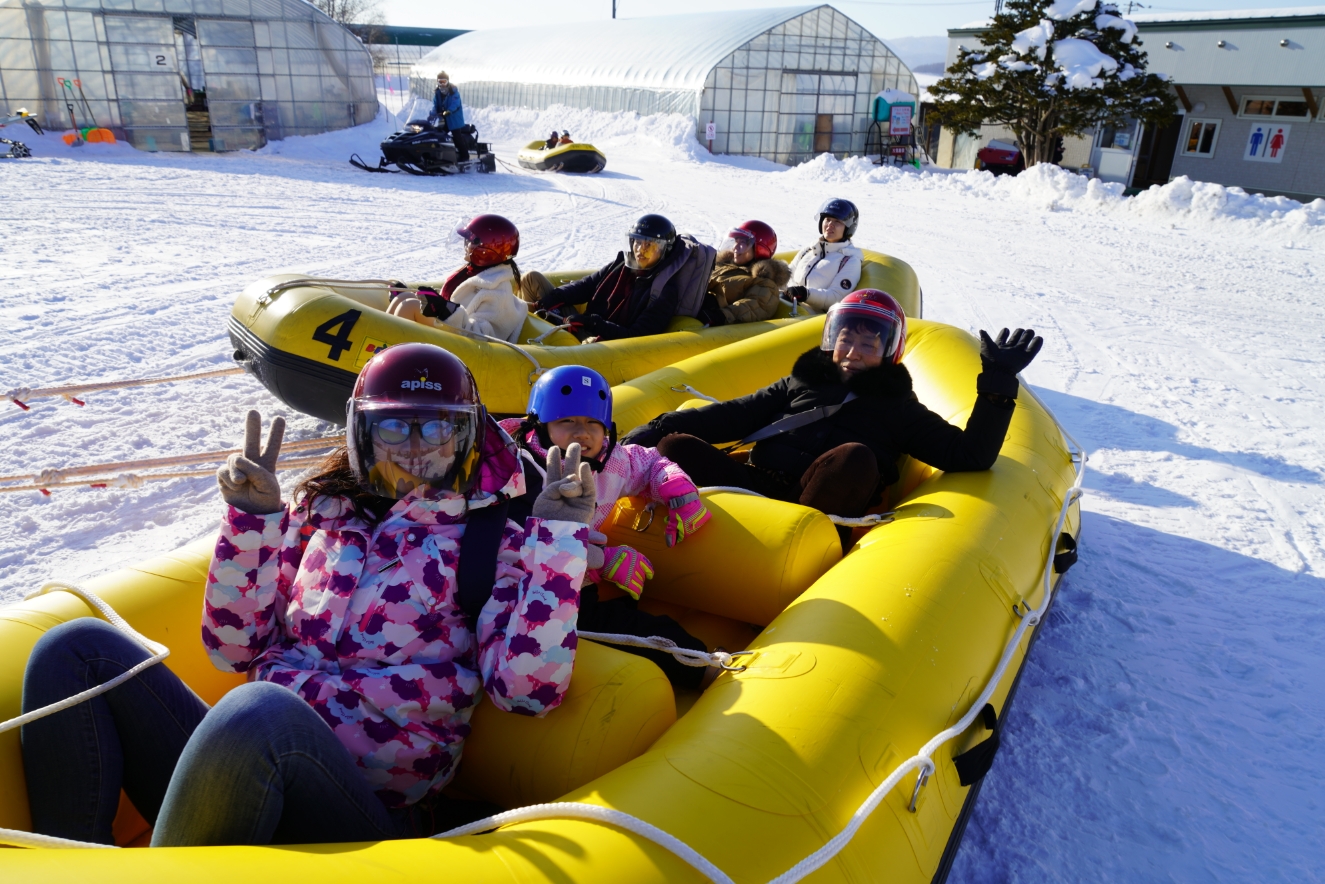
<point x="335" y="333"/>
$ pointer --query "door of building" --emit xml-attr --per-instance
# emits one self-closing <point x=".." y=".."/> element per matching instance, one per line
<point x="817" y="113"/>
<point x="1154" y="160"/>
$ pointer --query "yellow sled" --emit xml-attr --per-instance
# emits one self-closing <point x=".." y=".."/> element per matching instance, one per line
<point x="307" y="339"/>
<point x="536" y="155"/>
<point x="854" y="663"/>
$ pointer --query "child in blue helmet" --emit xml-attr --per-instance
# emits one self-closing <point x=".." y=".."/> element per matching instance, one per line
<point x="572" y="403"/>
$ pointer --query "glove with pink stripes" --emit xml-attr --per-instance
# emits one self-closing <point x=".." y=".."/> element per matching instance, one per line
<point x="686" y="513"/>
<point x="626" y="567"/>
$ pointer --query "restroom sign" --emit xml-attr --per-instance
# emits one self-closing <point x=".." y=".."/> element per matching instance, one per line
<point x="1266" y="142"/>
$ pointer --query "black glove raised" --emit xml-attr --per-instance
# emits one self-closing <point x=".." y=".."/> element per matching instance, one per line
<point x="1012" y="352"/>
<point x="798" y="293"/>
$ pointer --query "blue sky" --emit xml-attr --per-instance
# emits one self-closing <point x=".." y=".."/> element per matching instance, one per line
<point x="884" y="18"/>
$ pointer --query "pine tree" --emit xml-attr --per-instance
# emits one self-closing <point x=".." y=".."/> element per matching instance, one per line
<point x="1052" y="68"/>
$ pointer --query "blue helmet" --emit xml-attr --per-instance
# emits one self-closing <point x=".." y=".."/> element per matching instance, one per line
<point x="571" y="391"/>
<point x="844" y="211"/>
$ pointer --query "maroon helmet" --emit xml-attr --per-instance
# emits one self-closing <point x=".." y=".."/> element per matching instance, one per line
<point x="489" y="240"/>
<point x="758" y="234"/>
<point x="415" y="420"/>
<point x="873" y="319"/>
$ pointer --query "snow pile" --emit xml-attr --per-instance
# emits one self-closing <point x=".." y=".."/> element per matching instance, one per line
<point x="1057" y="189"/>
<point x="670" y="134"/>
<point x="1081" y="64"/>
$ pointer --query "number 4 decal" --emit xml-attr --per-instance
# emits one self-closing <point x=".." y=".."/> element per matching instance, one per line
<point x="339" y="342"/>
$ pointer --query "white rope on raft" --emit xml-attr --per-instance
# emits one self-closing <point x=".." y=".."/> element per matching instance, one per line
<point x="21" y="395"/>
<point x="719" y="659"/>
<point x="922" y="761"/>
<point x="866" y="521"/>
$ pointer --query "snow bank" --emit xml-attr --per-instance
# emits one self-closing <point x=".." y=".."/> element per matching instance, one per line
<point x="1180" y="201"/>
<point x="673" y="134"/>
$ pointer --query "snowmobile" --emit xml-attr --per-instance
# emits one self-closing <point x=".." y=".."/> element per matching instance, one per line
<point x="17" y="149"/>
<point x="422" y="148"/>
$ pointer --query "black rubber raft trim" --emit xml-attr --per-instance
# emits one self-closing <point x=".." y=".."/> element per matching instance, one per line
<point x="303" y="384"/>
<point x="955" y="839"/>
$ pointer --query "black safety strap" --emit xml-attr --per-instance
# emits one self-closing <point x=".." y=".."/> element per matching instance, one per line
<point x="476" y="572"/>
<point x="1068" y="557"/>
<point x="795" y="421"/>
<point x="975" y="762"/>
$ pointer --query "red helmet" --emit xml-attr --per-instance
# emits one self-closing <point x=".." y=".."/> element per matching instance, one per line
<point x="489" y="240"/>
<point x="872" y="313"/>
<point x="758" y="234"/>
<point x="415" y="420"/>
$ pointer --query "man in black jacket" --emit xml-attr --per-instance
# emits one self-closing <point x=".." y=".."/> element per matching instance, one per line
<point x="636" y="294"/>
<point x="829" y="436"/>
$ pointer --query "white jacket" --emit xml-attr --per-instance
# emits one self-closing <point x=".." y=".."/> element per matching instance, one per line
<point x="830" y="270"/>
<point x="486" y="303"/>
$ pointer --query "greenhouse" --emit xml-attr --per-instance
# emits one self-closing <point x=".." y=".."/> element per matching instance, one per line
<point x="184" y="74"/>
<point x="784" y="84"/>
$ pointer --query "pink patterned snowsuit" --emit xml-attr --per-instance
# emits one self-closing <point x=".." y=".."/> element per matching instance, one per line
<point x="362" y="622"/>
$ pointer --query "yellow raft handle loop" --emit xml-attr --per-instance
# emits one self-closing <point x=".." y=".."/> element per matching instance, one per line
<point x="545" y="335"/>
<point x="636" y="525"/>
<point x="326" y="282"/>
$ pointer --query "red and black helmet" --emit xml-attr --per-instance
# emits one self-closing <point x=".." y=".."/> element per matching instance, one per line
<point x="415" y="420"/>
<point x="868" y="313"/>
<point x="760" y="236"/>
<point x="489" y="240"/>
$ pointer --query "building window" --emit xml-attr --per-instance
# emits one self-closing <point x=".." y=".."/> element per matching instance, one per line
<point x="1261" y="107"/>
<point x="1202" y="136"/>
<point x="1118" y="137"/>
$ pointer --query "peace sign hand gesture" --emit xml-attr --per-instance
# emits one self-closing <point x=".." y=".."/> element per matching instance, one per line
<point x="248" y="480"/>
<point x="569" y="491"/>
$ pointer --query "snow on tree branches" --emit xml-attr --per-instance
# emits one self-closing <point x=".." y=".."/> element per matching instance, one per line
<point x="1047" y="69"/>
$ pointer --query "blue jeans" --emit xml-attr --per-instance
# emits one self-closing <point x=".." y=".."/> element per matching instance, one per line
<point x="259" y="768"/>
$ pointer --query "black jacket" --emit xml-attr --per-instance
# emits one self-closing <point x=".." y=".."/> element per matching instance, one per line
<point x="886" y="416"/>
<point x="648" y="312"/>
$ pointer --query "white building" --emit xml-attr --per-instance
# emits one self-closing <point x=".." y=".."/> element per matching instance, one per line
<point x="784" y="84"/>
<point x="184" y="74"/>
<point x="1250" y="87"/>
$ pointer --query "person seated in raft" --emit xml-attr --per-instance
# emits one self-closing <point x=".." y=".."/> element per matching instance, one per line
<point x="635" y="294"/>
<point x="857" y="413"/>
<point x="829" y="270"/>
<point x="573" y="404"/>
<point x="747" y="280"/>
<point x="552" y="140"/>
<point x="565" y="138"/>
<point x="480" y="295"/>
<point x="365" y="658"/>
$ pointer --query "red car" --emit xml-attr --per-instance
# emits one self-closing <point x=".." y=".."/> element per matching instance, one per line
<point x="1000" y="158"/>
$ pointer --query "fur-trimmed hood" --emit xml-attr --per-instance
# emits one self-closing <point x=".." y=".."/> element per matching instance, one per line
<point x="816" y="368"/>
<point x="765" y="268"/>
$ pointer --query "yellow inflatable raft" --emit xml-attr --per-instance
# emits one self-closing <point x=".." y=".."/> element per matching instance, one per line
<point x="854" y="664"/>
<point x="307" y="339"/>
<point x="537" y="156"/>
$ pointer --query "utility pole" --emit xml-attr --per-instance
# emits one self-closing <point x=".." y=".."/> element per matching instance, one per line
<point x="998" y="7"/>
<point x="613" y="8"/>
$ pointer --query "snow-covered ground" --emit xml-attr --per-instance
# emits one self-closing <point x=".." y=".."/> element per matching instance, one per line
<point x="1170" y="724"/>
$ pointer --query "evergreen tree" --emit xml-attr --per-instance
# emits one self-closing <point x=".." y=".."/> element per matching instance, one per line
<point x="1052" y="68"/>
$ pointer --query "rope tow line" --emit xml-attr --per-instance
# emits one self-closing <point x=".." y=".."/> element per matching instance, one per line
<point x="67" y="478"/>
<point x="20" y="396"/>
<point x="922" y="761"/>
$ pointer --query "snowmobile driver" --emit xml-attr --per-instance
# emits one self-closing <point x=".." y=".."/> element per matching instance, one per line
<point x="447" y="109"/>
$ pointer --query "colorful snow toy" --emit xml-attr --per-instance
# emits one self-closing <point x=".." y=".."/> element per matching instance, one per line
<point x="859" y="704"/>
<point x="574" y="157"/>
<point x="306" y="338"/>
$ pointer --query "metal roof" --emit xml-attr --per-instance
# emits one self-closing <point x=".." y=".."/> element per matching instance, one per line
<point x="672" y="52"/>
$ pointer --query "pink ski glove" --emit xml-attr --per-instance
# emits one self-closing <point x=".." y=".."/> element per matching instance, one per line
<point x="627" y="568"/>
<point x="686" y="512"/>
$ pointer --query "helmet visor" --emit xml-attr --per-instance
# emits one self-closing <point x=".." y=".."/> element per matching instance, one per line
<point x="869" y="336"/>
<point x="643" y="252"/>
<point x="739" y="242"/>
<point x="394" y="450"/>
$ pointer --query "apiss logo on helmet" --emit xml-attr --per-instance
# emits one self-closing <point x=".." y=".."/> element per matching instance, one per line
<point x="421" y="384"/>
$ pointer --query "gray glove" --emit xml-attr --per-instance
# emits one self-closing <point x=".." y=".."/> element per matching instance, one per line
<point x="569" y="494"/>
<point x="248" y="480"/>
<point x="595" y="554"/>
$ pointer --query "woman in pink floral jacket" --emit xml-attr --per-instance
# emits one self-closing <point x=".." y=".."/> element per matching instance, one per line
<point x="364" y="666"/>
